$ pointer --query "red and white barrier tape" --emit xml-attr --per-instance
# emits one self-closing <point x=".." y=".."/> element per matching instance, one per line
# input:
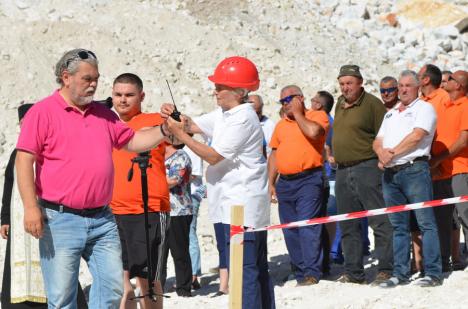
<point x="354" y="215"/>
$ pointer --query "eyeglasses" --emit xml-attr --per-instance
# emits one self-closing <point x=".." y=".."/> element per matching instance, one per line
<point x="388" y="90"/>
<point x="289" y="98"/>
<point x="83" y="55"/>
<point x="451" y="78"/>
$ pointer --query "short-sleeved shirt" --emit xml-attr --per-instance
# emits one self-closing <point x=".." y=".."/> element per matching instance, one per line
<point x="355" y="128"/>
<point x="295" y="152"/>
<point x="241" y="178"/>
<point x="127" y="196"/>
<point x="438" y="98"/>
<point x="73" y="151"/>
<point x="179" y="167"/>
<point x="397" y="125"/>
<point x="451" y="122"/>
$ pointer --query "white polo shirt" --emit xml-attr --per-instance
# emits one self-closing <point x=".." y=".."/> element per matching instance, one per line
<point x="397" y="125"/>
<point x="241" y="178"/>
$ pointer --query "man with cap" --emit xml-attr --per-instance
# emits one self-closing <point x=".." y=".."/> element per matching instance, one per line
<point x="237" y="171"/>
<point x="358" y="115"/>
<point x="65" y="178"/>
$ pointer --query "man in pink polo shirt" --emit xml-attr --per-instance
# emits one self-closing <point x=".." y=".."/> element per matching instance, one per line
<point x="65" y="177"/>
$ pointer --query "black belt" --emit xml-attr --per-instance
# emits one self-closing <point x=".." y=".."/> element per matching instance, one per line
<point x="88" y="212"/>
<point x="346" y="164"/>
<point x="300" y="174"/>
<point x="397" y="168"/>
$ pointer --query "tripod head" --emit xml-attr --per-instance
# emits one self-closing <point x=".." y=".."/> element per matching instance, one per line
<point x="143" y="162"/>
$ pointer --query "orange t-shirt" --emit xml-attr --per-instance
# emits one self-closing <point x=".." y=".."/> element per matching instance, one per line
<point x="450" y="122"/>
<point x="127" y="196"/>
<point x="438" y="98"/>
<point x="294" y="151"/>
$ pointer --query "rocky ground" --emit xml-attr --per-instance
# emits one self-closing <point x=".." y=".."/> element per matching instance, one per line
<point x="292" y="41"/>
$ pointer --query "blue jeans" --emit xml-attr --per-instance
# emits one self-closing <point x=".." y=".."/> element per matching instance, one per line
<point x="301" y="199"/>
<point x="257" y="287"/>
<point x="412" y="185"/>
<point x="194" y="248"/>
<point x="68" y="237"/>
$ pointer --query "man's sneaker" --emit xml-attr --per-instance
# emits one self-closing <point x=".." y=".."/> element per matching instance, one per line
<point x="428" y="281"/>
<point x="308" y="280"/>
<point x="345" y="278"/>
<point x="380" y="278"/>
<point x="392" y="282"/>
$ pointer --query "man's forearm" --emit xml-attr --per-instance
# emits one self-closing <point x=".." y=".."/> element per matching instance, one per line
<point x="455" y="148"/>
<point x="272" y="169"/>
<point x="409" y="142"/>
<point x="309" y="128"/>
<point x="377" y="146"/>
<point x="25" y="177"/>
<point x="144" y="140"/>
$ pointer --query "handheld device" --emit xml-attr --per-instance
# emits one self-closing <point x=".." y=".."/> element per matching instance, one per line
<point x="175" y="114"/>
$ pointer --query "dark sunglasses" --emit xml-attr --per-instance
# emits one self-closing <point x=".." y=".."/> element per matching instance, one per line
<point x="388" y="90"/>
<point x="288" y="99"/>
<point x="83" y="55"/>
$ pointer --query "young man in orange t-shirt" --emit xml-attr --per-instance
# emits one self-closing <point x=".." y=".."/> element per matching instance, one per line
<point x="127" y="203"/>
<point x="431" y="78"/>
<point x="449" y="161"/>
<point x="297" y="145"/>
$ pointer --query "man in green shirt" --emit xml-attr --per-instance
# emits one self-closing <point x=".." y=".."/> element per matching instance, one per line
<point x="358" y="115"/>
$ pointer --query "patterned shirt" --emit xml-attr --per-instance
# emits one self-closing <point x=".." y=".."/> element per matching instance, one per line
<point x="179" y="167"/>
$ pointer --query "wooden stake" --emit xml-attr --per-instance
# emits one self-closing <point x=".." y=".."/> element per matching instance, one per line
<point x="236" y="259"/>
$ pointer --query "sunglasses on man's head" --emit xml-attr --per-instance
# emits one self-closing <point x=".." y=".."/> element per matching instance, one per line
<point x="83" y="55"/>
<point x="288" y="99"/>
<point x="388" y="90"/>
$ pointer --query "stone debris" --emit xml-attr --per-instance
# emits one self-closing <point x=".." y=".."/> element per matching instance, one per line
<point x="292" y="41"/>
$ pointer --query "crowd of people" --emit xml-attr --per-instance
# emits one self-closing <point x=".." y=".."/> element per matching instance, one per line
<point x="79" y="200"/>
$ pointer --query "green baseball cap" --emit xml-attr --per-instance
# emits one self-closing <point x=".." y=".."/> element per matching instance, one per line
<point x="350" y="70"/>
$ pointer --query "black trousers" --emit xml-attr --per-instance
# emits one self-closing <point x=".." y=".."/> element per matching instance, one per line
<point x="178" y="244"/>
<point x="359" y="188"/>
<point x="444" y="218"/>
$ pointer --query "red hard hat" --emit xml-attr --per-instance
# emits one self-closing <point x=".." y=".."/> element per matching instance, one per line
<point x="236" y="72"/>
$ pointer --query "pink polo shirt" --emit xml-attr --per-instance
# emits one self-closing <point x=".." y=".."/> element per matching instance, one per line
<point x="73" y="151"/>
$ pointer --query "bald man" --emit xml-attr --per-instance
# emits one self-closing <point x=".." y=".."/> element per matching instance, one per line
<point x="267" y="124"/>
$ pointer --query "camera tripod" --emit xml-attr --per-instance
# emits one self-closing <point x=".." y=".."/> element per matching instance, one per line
<point x="143" y="163"/>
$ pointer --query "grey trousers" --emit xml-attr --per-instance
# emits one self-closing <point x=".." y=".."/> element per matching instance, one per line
<point x="460" y="187"/>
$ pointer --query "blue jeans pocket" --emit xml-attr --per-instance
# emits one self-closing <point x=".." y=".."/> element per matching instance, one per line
<point x="49" y="214"/>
